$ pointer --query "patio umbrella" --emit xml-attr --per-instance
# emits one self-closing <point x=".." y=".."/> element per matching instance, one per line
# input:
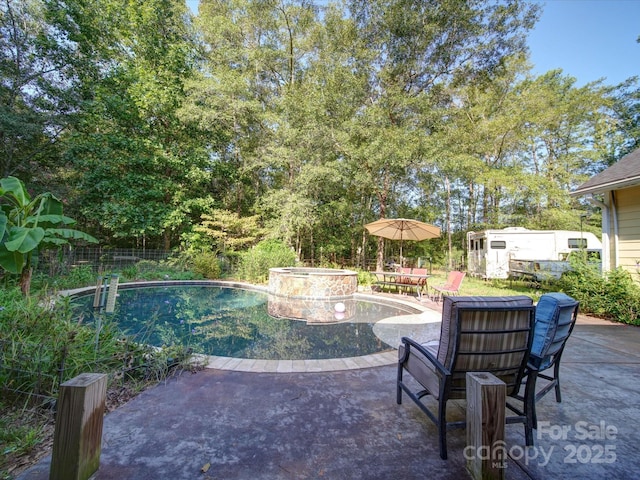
<point x="402" y="229"/>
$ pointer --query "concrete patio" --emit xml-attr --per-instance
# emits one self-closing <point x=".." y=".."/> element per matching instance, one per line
<point x="345" y="424"/>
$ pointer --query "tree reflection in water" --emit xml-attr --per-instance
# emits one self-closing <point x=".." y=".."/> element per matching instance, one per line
<point x="234" y="322"/>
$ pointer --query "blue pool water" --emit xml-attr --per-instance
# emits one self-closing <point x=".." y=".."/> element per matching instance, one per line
<point x="234" y="322"/>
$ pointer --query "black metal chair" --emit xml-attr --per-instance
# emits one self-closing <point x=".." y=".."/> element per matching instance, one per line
<point x="478" y="334"/>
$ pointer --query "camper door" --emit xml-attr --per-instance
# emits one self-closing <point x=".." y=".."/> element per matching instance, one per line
<point x="497" y="259"/>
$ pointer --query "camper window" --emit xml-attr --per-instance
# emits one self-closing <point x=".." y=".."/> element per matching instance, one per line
<point x="498" y="244"/>
<point x="577" y="243"/>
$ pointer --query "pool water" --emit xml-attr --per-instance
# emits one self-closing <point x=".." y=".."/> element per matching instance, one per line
<point x="234" y="322"/>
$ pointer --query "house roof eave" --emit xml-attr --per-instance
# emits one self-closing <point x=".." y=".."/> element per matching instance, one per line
<point x="607" y="187"/>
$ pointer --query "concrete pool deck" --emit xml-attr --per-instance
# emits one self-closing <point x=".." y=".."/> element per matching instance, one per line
<point x="226" y="424"/>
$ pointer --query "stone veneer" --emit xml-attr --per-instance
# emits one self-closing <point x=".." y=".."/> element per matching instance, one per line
<point x="316" y="295"/>
<point x="310" y="310"/>
<point x="312" y="283"/>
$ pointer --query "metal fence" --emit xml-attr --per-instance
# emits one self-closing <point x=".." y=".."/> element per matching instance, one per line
<point x="100" y="259"/>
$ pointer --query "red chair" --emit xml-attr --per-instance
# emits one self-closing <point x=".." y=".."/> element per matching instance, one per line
<point x="451" y="287"/>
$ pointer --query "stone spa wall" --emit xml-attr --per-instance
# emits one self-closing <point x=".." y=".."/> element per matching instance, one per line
<point x="312" y="283"/>
<point x="317" y="295"/>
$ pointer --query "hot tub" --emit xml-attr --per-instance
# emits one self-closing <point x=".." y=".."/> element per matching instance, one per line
<point x="312" y="283"/>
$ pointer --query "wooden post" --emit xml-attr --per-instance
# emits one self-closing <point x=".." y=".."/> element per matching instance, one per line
<point x="486" y="452"/>
<point x="77" y="438"/>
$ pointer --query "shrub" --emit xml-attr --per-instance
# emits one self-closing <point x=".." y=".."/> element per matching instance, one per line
<point x="43" y="345"/>
<point x="614" y="296"/>
<point x="159" y="270"/>
<point x="365" y="278"/>
<point x="207" y="265"/>
<point x="623" y="297"/>
<point x="255" y="263"/>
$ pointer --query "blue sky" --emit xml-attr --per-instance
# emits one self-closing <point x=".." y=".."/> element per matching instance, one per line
<point x="587" y="39"/>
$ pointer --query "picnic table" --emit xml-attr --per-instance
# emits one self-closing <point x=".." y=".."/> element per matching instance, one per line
<point x="402" y="280"/>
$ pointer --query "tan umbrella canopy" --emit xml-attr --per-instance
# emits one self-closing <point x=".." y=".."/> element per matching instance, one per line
<point x="402" y="229"/>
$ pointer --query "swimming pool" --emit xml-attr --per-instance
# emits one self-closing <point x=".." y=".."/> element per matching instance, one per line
<point x="234" y="322"/>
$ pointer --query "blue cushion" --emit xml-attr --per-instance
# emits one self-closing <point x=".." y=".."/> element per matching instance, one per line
<point x="554" y="320"/>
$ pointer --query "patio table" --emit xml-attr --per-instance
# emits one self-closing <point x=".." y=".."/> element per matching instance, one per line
<point x="401" y="280"/>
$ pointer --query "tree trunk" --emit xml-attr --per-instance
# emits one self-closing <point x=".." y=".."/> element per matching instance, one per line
<point x="25" y="280"/>
<point x="448" y="222"/>
<point x="166" y="239"/>
<point x="380" y="255"/>
<point x="363" y="250"/>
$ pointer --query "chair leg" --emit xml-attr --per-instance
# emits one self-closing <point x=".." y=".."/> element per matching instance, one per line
<point x="529" y="401"/>
<point x="556" y="376"/>
<point x="398" y="385"/>
<point x="442" y="427"/>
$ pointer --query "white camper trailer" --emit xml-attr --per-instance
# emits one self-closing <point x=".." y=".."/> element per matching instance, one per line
<point x="490" y="251"/>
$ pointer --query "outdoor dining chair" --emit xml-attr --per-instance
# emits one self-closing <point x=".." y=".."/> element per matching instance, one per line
<point x="555" y="317"/>
<point x="478" y="334"/>
<point x="451" y="286"/>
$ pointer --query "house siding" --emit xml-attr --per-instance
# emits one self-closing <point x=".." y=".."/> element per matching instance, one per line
<point x="628" y="210"/>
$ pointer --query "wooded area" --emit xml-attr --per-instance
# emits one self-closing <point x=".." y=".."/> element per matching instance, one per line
<point x="298" y="120"/>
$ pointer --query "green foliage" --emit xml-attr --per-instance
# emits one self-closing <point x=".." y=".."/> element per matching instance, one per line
<point x="614" y="296"/>
<point x="365" y="278"/>
<point x="41" y="337"/>
<point x="77" y="277"/>
<point x="170" y="269"/>
<point x="228" y="231"/>
<point x="28" y="225"/>
<point x="207" y="265"/>
<point x="43" y="344"/>
<point x="20" y="432"/>
<point x="318" y="120"/>
<point x="256" y="262"/>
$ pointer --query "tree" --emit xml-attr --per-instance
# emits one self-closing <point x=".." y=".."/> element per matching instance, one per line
<point x="417" y="49"/>
<point x="37" y="88"/>
<point x="28" y="225"/>
<point x="155" y="164"/>
<point x="625" y="114"/>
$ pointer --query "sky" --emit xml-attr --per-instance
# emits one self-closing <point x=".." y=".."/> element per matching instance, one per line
<point x="587" y="39"/>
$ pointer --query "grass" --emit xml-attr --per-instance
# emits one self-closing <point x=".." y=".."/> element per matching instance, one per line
<point x="25" y="436"/>
<point x="478" y="287"/>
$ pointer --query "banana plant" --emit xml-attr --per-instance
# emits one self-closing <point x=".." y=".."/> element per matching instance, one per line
<point x="29" y="225"/>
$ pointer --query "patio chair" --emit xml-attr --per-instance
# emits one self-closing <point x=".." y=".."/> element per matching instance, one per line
<point x="413" y="282"/>
<point x="478" y="334"/>
<point x="556" y="315"/>
<point x="451" y="286"/>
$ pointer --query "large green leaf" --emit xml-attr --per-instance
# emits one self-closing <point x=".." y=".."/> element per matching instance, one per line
<point x="68" y="234"/>
<point x="12" y="262"/>
<point x="50" y="205"/>
<point x="12" y="187"/>
<point x="49" y="219"/>
<point x="24" y="240"/>
<point x="3" y="224"/>
<point x="49" y="241"/>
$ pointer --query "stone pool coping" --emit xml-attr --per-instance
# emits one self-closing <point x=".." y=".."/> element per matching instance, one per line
<point x="422" y="315"/>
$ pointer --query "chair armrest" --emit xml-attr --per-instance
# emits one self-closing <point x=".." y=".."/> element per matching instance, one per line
<point x="409" y="344"/>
